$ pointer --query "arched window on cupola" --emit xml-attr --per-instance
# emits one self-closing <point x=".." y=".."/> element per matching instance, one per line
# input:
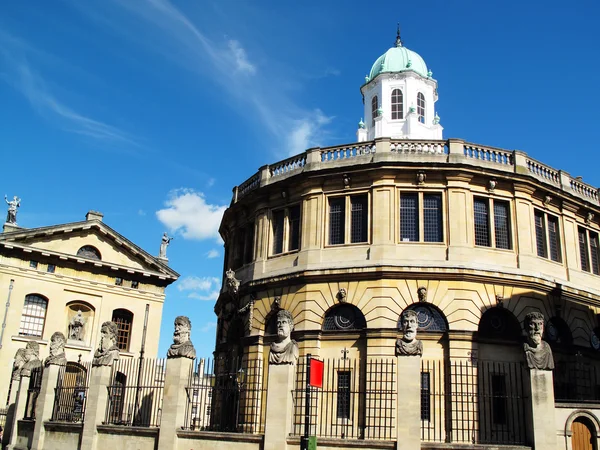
<point x="397" y="105"/>
<point x="421" y="107"/>
<point x="374" y="108"/>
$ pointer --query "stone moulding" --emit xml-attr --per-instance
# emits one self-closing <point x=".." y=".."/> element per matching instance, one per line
<point x="220" y="436"/>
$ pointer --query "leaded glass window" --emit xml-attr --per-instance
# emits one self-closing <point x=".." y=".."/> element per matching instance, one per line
<point x="554" y="239"/>
<point x="421" y="107"/>
<point x="547" y="236"/>
<point x="359" y="215"/>
<point x="499" y="323"/>
<point x="432" y="218"/>
<point x="343" y="394"/>
<point x="418" y="209"/>
<point x="352" y="210"/>
<point x="502" y="225"/>
<point x="344" y="318"/>
<point x="249" y="244"/>
<point x="409" y="217"/>
<point x="540" y="234"/>
<point x="588" y="250"/>
<point x="89" y="251"/>
<point x="397" y="105"/>
<point x="425" y="396"/>
<point x="33" y="316"/>
<point x="429" y="318"/>
<point x="286" y="229"/>
<point x="492" y="223"/>
<point x="294" y="225"/>
<point x="124" y="321"/>
<point x="482" y="231"/>
<point x="277" y="221"/>
<point x="337" y="222"/>
<point x="584" y="250"/>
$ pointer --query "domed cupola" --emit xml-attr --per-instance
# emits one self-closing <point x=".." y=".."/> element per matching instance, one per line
<point x="399" y="95"/>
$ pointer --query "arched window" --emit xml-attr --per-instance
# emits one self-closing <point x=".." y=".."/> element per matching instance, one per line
<point x="124" y="320"/>
<point x="89" y="251"/>
<point x="344" y="318"/>
<point x="429" y="318"/>
<point x="33" y="316"/>
<point x="499" y="323"/>
<point x="558" y="332"/>
<point x="374" y="108"/>
<point x="421" y="107"/>
<point x="397" y="105"/>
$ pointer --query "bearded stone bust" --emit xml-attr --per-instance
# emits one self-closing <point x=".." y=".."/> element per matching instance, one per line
<point x="409" y="345"/>
<point x="182" y="346"/>
<point x="32" y="358"/>
<point x="107" y="351"/>
<point x="537" y="351"/>
<point x="57" y="350"/>
<point x="284" y="350"/>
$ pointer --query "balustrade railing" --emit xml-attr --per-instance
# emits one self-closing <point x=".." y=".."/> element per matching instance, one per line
<point x="249" y="185"/>
<point x="488" y="154"/>
<point x="71" y="392"/>
<point x="347" y="151"/>
<point x="288" y="165"/>
<point x="543" y="171"/>
<point x="584" y="190"/>
<point x="425" y="147"/>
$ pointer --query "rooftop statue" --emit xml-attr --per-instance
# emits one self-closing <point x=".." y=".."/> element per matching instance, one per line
<point x="164" y="243"/>
<point x="409" y="345"/>
<point x="284" y="350"/>
<point x="13" y="206"/>
<point x="182" y="346"/>
<point x="537" y="351"/>
<point x="57" y="350"/>
<point x="107" y="351"/>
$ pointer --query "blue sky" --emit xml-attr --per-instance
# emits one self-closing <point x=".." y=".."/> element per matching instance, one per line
<point x="151" y="111"/>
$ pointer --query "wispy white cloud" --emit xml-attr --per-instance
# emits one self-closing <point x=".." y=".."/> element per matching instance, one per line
<point x="212" y="254"/>
<point x="209" y="326"/>
<point x="200" y="288"/>
<point x="188" y="214"/>
<point x="241" y="59"/>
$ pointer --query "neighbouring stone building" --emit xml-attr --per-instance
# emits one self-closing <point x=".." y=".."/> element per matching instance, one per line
<point x="71" y="278"/>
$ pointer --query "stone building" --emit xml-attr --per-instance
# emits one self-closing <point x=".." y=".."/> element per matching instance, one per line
<point x="471" y="237"/>
<point x="71" y="278"/>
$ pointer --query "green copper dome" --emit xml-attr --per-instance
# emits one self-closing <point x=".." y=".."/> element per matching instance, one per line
<point x="399" y="59"/>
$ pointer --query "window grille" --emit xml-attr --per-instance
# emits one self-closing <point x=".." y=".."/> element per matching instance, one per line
<point x="344" y="318"/>
<point x="499" y="399"/>
<point x="482" y="232"/>
<point x="33" y="316"/>
<point x="123" y="319"/>
<point x="409" y="217"/>
<point x="278" y="217"/>
<point x="432" y="218"/>
<point x="421" y="107"/>
<point x="374" y="108"/>
<point x="343" y="394"/>
<point x="502" y="225"/>
<point x="358" y="231"/>
<point x="429" y="318"/>
<point x="337" y="212"/>
<point x="294" y="234"/>
<point x="397" y="105"/>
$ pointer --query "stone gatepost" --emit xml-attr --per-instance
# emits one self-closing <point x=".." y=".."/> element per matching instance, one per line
<point x="408" y="404"/>
<point x="45" y="405"/>
<point x="19" y="410"/>
<point x="174" y="401"/>
<point x="280" y="406"/>
<point x="10" y="415"/>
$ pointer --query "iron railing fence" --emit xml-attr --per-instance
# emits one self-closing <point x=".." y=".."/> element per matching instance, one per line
<point x="3" y="414"/>
<point x="71" y="392"/>
<point x="481" y="402"/>
<point x="576" y="379"/>
<point x="33" y="391"/>
<point x="226" y="394"/>
<point x="135" y="393"/>
<point x="357" y="401"/>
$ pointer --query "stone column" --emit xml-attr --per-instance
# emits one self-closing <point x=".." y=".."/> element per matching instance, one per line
<point x="45" y="405"/>
<point x="280" y="406"/>
<point x="14" y="390"/>
<point x="174" y="401"/>
<point x="542" y="420"/>
<point x="19" y="410"/>
<point x="408" y="409"/>
<point x="95" y="408"/>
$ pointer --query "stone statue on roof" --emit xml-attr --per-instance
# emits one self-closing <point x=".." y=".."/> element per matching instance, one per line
<point x="13" y="206"/>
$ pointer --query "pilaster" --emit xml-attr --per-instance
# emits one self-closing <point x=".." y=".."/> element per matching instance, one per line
<point x="45" y="405"/>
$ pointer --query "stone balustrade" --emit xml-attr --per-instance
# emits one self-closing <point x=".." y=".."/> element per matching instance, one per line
<point x="449" y="151"/>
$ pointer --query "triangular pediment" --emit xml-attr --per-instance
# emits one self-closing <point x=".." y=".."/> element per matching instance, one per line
<point x="90" y="240"/>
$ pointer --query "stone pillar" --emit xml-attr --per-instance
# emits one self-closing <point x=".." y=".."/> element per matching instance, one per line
<point x="14" y="390"/>
<point x="541" y="417"/>
<point x="95" y="408"/>
<point x="45" y="405"/>
<point x="19" y="411"/>
<point x="408" y="409"/>
<point x="174" y="401"/>
<point x="280" y="406"/>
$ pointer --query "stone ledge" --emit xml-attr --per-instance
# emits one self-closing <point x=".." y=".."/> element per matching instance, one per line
<point x="577" y="405"/>
<point x="442" y="446"/>
<point x="63" y="426"/>
<point x="220" y="436"/>
<point x="127" y="430"/>
<point x="347" y="443"/>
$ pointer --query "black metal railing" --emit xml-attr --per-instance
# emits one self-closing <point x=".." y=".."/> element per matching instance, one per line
<point x="33" y="391"/>
<point x="71" y="392"/>
<point x="576" y="379"/>
<point x="480" y="402"/>
<point x="226" y="395"/>
<point x="3" y="414"/>
<point x="135" y="393"/>
<point x="357" y="401"/>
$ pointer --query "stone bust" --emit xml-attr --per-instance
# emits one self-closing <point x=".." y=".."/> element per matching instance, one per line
<point x="409" y="345"/>
<point x="182" y="346"/>
<point x="32" y="358"/>
<point x="284" y="350"/>
<point x="537" y="351"/>
<point x="18" y="364"/>
<point x="76" y="326"/>
<point x="107" y="351"/>
<point x="57" y="350"/>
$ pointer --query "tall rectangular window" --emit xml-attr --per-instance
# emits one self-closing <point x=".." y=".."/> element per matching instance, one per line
<point x="499" y="399"/>
<point x="33" y="316"/>
<point x="547" y="236"/>
<point x="589" y="252"/>
<point x="425" y="396"/>
<point x="286" y="229"/>
<point x="482" y="229"/>
<point x="432" y="218"/>
<point x="249" y="243"/>
<point x="502" y="225"/>
<point x="294" y="222"/>
<point x="409" y="217"/>
<point x="337" y="220"/>
<point x="358" y="219"/>
<point x="277" y="222"/>
<point x="343" y="395"/>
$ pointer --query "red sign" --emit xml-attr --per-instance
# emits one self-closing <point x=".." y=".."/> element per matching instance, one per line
<point x="316" y="373"/>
